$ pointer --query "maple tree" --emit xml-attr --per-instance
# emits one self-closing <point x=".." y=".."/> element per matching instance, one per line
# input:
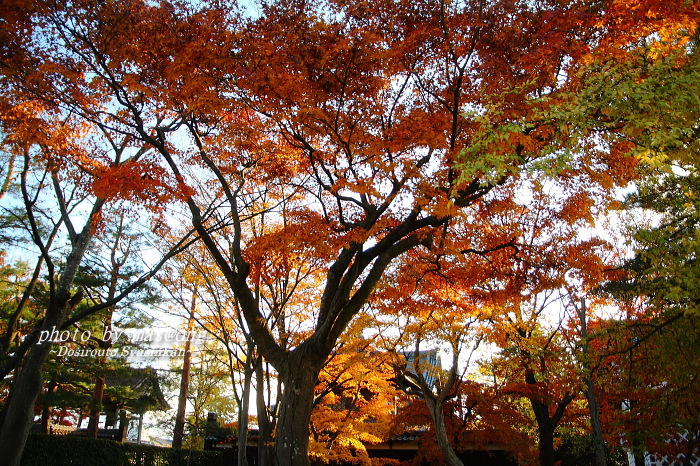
<point x="587" y="359"/>
<point x="435" y="309"/>
<point x="355" y="113"/>
<point x="646" y="358"/>
<point x="509" y="280"/>
<point x="656" y="348"/>
<point x="535" y="362"/>
<point x="478" y="418"/>
<point x="353" y="402"/>
<point x="284" y="276"/>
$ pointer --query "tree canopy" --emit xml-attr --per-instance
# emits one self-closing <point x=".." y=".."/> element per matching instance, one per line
<point x="312" y="145"/>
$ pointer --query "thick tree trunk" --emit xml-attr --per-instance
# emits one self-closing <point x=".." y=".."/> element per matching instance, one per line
<point x="292" y="435"/>
<point x="546" y="424"/>
<point x="437" y="413"/>
<point x="546" y="444"/>
<point x="20" y="410"/>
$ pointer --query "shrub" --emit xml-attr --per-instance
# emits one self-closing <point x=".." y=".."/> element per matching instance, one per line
<point x="578" y="450"/>
<point x="55" y="450"/>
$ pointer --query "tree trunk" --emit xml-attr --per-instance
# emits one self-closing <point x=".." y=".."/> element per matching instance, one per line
<point x="435" y="406"/>
<point x="600" y="449"/>
<point x="9" y="174"/>
<point x="20" y="410"/>
<point x="545" y="429"/>
<point x="690" y="448"/>
<point x="546" y="424"/>
<point x="243" y="415"/>
<point x="292" y="437"/>
<point x="47" y="409"/>
<point x="546" y="444"/>
<point x="46" y="412"/>
<point x="264" y="424"/>
<point x="179" y="430"/>
<point x="96" y="409"/>
<point x="600" y="457"/>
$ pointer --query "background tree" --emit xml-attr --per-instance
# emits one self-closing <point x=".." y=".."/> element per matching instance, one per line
<point x="353" y="403"/>
<point x="190" y="281"/>
<point x="429" y="307"/>
<point x="18" y="310"/>
<point x="587" y="361"/>
<point x="207" y="393"/>
<point x="53" y="201"/>
<point x="657" y="121"/>
<point x="61" y="299"/>
<point x="113" y="264"/>
<point x="549" y="254"/>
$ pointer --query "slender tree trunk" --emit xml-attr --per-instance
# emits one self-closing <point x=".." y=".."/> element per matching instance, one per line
<point x="98" y="392"/>
<point x="47" y="409"/>
<point x="95" y="411"/>
<point x="9" y="174"/>
<point x="593" y="406"/>
<point x="594" y="409"/>
<point x="107" y="342"/>
<point x="243" y="414"/>
<point x="436" y="408"/>
<point x="179" y="430"/>
<point x="46" y="412"/>
<point x="436" y="402"/>
<point x="264" y="424"/>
